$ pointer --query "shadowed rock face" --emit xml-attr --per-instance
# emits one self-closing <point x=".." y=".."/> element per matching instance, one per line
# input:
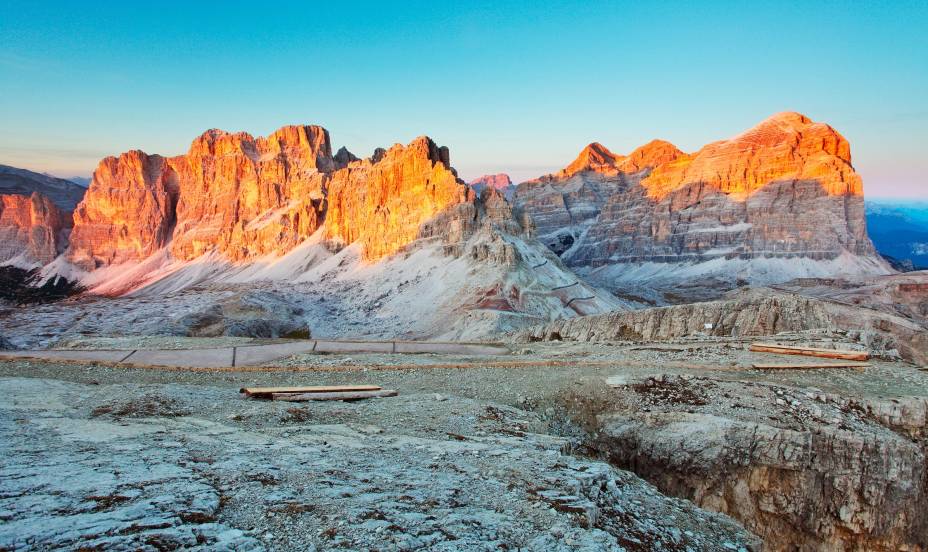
<point x="784" y="188"/>
<point x="243" y="197"/>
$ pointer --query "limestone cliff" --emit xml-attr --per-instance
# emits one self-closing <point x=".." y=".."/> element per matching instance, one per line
<point x="32" y="229"/>
<point x="35" y="216"/>
<point x="244" y="197"/>
<point x="128" y="212"/>
<point x="382" y="203"/>
<point x="241" y="198"/>
<point x="785" y="188"/>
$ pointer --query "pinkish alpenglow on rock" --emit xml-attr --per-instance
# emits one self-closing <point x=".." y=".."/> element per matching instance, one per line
<point x="500" y="182"/>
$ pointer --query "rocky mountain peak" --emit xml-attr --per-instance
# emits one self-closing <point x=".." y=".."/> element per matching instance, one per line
<point x="128" y="211"/>
<point x="382" y="201"/>
<point x="496" y="181"/>
<point x="343" y="157"/>
<point x="650" y="155"/>
<point x="499" y="182"/>
<point x="216" y="142"/>
<point x="243" y="197"/>
<point x="796" y="128"/>
<point x="308" y="142"/>
<point x="32" y="229"/>
<point x="425" y="146"/>
<point x="785" y="147"/>
<point x="594" y="157"/>
<point x="784" y="188"/>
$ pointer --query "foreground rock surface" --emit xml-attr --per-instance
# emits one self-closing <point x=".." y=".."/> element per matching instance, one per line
<point x="188" y="466"/>
<point x="802" y="468"/>
<point x="809" y="459"/>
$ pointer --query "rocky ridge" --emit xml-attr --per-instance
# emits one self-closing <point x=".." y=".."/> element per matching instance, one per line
<point x="242" y="197"/>
<point x="757" y="312"/>
<point x="785" y="188"/>
<point x="65" y="194"/>
<point x="802" y="468"/>
<point x="175" y="466"/>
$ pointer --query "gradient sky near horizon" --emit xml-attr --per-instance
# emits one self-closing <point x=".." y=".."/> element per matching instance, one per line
<point x="517" y="87"/>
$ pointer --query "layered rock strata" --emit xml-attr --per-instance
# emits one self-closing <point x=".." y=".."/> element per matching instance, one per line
<point x="803" y="469"/>
<point x="383" y="203"/>
<point x="784" y="188"/>
<point x="128" y="212"/>
<point x="748" y="313"/>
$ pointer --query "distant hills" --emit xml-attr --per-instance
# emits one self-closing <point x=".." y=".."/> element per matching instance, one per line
<point x="80" y="180"/>
<point x="65" y="194"/>
<point x="899" y="230"/>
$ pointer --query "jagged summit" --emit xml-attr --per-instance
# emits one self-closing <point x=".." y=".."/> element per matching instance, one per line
<point x="496" y="181"/>
<point x="597" y="158"/>
<point x="786" y="146"/>
<point x="343" y="157"/>
<point x="399" y="232"/>
<point x="784" y="188"/>
<point x="594" y="157"/>
<point x="242" y="197"/>
<point x="650" y="155"/>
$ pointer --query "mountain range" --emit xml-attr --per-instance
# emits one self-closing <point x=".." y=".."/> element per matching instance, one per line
<point x="609" y="231"/>
<point x="900" y="231"/>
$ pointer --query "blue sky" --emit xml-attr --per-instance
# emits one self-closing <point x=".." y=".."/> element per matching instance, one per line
<point x="519" y="87"/>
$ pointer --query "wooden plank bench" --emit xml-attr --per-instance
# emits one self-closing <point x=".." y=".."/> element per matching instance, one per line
<point x="809" y="351"/>
<point x="268" y="392"/>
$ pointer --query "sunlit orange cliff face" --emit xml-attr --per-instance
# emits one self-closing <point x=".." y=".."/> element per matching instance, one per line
<point x="787" y="146"/>
<point x="242" y="197"/>
<point x="783" y="188"/>
<point x="31" y="228"/>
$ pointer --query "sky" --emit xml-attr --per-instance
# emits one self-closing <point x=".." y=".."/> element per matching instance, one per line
<point x="517" y="87"/>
